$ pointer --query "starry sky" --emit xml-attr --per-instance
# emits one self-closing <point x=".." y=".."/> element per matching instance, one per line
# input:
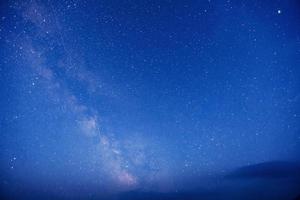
<point x="141" y="99"/>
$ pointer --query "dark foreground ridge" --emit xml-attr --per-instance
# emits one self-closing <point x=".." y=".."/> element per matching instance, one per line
<point x="277" y="180"/>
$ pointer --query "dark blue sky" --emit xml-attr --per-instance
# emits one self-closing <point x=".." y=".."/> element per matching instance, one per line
<point x="103" y="97"/>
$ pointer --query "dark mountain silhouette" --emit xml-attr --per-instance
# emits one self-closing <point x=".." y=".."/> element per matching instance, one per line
<point x="191" y="195"/>
<point x="274" y="180"/>
<point x="269" y="180"/>
<point x="268" y="170"/>
<point x="297" y="198"/>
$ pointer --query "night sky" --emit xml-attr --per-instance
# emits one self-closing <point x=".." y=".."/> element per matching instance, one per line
<point x="150" y="99"/>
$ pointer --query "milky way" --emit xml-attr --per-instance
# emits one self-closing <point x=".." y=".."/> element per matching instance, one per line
<point x="104" y="98"/>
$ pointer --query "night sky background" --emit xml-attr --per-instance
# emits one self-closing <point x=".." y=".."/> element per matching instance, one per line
<point x="150" y="99"/>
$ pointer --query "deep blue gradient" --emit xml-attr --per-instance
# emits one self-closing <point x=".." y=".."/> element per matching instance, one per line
<point x="150" y="99"/>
